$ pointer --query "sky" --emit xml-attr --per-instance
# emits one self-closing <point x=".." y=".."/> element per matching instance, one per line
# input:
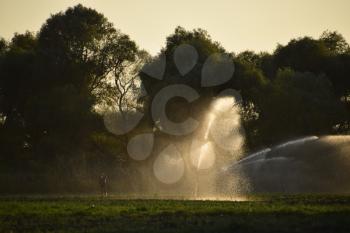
<point x="239" y="25"/>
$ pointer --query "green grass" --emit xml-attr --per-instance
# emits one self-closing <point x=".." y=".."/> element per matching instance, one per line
<point x="299" y="213"/>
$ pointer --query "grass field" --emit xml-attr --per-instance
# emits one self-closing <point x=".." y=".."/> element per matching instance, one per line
<point x="300" y="213"/>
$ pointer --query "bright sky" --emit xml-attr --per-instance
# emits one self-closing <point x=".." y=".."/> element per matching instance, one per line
<point x="237" y="24"/>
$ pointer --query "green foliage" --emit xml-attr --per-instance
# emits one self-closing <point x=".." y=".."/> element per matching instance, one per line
<point x="304" y="54"/>
<point x="199" y="39"/>
<point x="329" y="55"/>
<point x="3" y="45"/>
<point x="299" y="90"/>
<point x="335" y="42"/>
<point x="204" y="45"/>
<point x="299" y="104"/>
<point x="50" y="84"/>
<point x="53" y="85"/>
<point x="82" y="48"/>
<point x="302" y="213"/>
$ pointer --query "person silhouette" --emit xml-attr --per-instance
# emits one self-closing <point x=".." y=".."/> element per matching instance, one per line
<point x="103" y="180"/>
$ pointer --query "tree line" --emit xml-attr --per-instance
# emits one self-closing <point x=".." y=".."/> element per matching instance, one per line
<point x="56" y="84"/>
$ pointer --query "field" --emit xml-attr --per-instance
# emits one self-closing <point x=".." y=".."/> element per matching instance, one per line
<point x="298" y="213"/>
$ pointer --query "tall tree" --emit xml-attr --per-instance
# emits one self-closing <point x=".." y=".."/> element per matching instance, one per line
<point x="193" y="48"/>
<point x="303" y="54"/>
<point x="298" y="104"/>
<point x="82" y="48"/>
<point x="335" y="42"/>
<point x="52" y="81"/>
<point x="17" y="81"/>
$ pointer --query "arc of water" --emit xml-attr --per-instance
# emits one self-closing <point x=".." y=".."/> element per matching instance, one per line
<point x="257" y="155"/>
<point x="297" y="141"/>
<point x="261" y="155"/>
<point x="277" y="159"/>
